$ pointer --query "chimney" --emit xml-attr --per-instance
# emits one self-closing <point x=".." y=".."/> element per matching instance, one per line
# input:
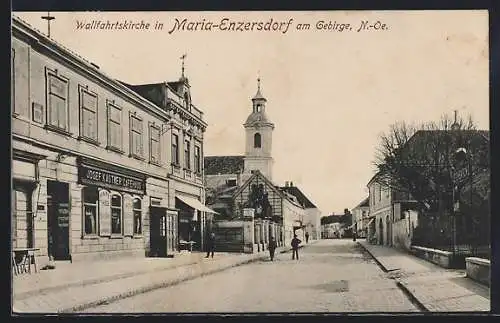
<point x="286" y="183"/>
<point x="291" y="184"/>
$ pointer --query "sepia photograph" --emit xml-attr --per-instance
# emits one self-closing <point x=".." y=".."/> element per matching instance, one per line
<point x="240" y="162"/>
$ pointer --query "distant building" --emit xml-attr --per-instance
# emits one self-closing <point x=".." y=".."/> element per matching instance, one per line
<point x="360" y="218"/>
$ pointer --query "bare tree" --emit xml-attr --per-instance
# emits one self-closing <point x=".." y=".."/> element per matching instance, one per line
<point x="419" y="161"/>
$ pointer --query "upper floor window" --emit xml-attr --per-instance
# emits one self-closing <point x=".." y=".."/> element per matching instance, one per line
<point x="175" y="149"/>
<point x="88" y="115"/>
<point x="257" y="140"/>
<point x="154" y="144"/>
<point x="57" y="101"/>
<point x="197" y="159"/>
<point x="187" y="154"/>
<point x="136" y="146"/>
<point x="115" y="127"/>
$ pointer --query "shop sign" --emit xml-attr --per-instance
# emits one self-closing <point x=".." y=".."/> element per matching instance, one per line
<point x="110" y="179"/>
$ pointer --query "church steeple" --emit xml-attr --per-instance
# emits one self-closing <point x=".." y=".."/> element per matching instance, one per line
<point x="258" y="130"/>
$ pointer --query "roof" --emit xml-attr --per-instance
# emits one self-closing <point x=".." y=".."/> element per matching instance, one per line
<point x="364" y="203"/>
<point x="301" y="198"/>
<point x="260" y="117"/>
<point x="216" y="165"/>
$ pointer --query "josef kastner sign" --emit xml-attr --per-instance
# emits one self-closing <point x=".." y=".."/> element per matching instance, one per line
<point x="110" y="179"/>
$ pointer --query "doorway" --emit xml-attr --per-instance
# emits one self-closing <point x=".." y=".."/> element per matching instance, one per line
<point x="58" y="216"/>
<point x="22" y="215"/>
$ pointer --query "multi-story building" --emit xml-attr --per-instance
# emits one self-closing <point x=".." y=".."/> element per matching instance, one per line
<point x="360" y="218"/>
<point x="91" y="175"/>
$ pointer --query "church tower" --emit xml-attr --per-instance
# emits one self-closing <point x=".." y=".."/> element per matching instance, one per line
<point x="259" y="137"/>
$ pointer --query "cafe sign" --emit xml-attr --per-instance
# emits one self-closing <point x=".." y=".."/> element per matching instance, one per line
<point x="91" y="175"/>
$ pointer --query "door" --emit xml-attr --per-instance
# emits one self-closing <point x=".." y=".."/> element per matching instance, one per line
<point x="158" y="232"/>
<point x="58" y="216"/>
<point x="171" y="233"/>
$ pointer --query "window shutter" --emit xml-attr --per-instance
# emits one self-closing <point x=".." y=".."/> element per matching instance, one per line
<point x="128" y="216"/>
<point x="104" y="213"/>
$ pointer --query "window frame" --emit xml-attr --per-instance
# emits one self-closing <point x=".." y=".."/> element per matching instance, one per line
<point x="109" y="145"/>
<point x="187" y="154"/>
<point x="82" y="90"/>
<point x="97" y="219"/>
<point x="152" y="160"/>
<point x="257" y="143"/>
<point x="49" y="74"/>
<point x="132" y="150"/>
<point x="134" y="210"/>
<point x="13" y="83"/>
<point x="197" y="157"/>
<point x="175" y="152"/>
<point x="112" y="194"/>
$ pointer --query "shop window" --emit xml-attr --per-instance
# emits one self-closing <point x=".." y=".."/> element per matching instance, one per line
<point x="187" y="154"/>
<point x="137" y="206"/>
<point x="175" y="149"/>
<point x="114" y="127"/>
<point x="90" y="201"/>
<point x="116" y="214"/>
<point x="154" y="145"/>
<point x="88" y="115"/>
<point x="57" y="101"/>
<point x="136" y="146"/>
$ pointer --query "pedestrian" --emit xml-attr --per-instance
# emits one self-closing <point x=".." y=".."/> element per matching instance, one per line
<point x="295" y="247"/>
<point x="272" y="247"/>
<point x="211" y="244"/>
<point x="307" y="237"/>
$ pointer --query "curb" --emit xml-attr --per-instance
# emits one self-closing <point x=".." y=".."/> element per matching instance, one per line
<point x="384" y="269"/>
<point x="30" y="293"/>
<point x="413" y="299"/>
<point x="145" y="289"/>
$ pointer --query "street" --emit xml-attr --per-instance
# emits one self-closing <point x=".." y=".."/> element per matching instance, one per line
<point x="331" y="276"/>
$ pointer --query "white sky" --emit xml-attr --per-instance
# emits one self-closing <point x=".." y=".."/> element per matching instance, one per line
<point x="330" y="94"/>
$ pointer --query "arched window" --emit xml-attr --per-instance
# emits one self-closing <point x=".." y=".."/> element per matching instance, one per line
<point x="116" y="214"/>
<point x="137" y="206"/>
<point x="90" y="200"/>
<point x="257" y="140"/>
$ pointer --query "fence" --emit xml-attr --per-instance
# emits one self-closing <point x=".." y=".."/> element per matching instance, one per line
<point x="472" y="237"/>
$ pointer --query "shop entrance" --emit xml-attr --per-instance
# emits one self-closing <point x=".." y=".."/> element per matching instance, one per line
<point x="163" y="240"/>
<point x="58" y="216"/>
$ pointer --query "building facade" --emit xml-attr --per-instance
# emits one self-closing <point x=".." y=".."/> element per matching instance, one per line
<point x="91" y="175"/>
<point x="361" y="218"/>
<point x="236" y="183"/>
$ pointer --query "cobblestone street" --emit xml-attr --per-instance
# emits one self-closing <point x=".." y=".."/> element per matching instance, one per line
<point x="331" y="276"/>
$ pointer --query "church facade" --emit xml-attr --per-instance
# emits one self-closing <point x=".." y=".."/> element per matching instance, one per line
<point x="240" y="182"/>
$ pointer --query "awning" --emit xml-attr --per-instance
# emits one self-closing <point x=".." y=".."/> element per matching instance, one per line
<point x="195" y="204"/>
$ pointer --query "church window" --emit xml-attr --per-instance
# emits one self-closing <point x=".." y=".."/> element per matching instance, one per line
<point x="257" y="140"/>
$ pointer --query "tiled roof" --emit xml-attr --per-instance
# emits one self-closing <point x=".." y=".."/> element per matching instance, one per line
<point x="301" y="198"/>
<point x="215" y="165"/>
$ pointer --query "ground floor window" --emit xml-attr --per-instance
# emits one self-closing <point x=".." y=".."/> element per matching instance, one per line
<point x="116" y="214"/>
<point x="90" y="200"/>
<point x="137" y="205"/>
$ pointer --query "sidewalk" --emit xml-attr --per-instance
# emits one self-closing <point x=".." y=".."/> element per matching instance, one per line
<point x="433" y="288"/>
<point x="78" y="286"/>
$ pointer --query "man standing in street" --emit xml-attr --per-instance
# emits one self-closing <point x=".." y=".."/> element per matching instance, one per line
<point x="272" y="247"/>
<point x="211" y="244"/>
<point x="295" y="247"/>
<point x="307" y="237"/>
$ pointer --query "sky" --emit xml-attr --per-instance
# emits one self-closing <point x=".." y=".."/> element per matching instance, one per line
<point x="330" y="93"/>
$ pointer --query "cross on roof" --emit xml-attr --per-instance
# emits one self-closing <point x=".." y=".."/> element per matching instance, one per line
<point x="49" y="18"/>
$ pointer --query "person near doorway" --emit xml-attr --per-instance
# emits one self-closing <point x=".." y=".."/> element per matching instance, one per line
<point x="211" y="245"/>
<point x="295" y="247"/>
<point x="307" y="237"/>
<point x="272" y="248"/>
